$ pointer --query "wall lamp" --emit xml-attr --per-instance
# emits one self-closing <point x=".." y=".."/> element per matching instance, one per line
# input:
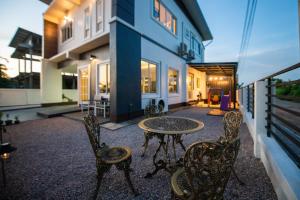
<point x="92" y="57"/>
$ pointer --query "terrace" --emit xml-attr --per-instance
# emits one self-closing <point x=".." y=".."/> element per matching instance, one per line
<point x="54" y="160"/>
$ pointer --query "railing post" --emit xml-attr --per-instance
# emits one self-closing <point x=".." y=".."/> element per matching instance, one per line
<point x="248" y="98"/>
<point x="253" y="102"/>
<point x="269" y="109"/>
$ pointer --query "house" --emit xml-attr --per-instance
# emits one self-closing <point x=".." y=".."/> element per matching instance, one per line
<point x="128" y="51"/>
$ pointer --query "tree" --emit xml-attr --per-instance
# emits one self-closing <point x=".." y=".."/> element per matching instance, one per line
<point x="5" y="82"/>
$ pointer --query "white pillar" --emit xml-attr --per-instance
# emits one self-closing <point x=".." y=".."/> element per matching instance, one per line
<point x="51" y="82"/>
<point x="259" y="114"/>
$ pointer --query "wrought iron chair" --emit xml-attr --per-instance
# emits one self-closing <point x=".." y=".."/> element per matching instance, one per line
<point x="232" y="123"/>
<point x="107" y="156"/>
<point x="206" y="171"/>
<point x="151" y="111"/>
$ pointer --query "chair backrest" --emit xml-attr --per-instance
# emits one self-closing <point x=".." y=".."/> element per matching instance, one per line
<point x="92" y="127"/>
<point x="232" y="123"/>
<point x="97" y="97"/>
<point x="208" y="166"/>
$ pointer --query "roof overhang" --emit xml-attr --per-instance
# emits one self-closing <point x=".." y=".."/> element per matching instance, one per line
<point x="192" y="10"/>
<point x="21" y="36"/>
<point x="58" y="9"/>
<point x="217" y="68"/>
<point x="74" y="53"/>
<point x="46" y="1"/>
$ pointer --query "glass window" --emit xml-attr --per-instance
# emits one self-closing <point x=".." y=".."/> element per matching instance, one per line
<point x="148" y="77"/>
<point x="156" y="10"/>
<point x="67" y="30"/>
<point x="164" y="16"/>
<point x="99" y="15"/>
<point x="173" y="81"/>
<point x="104" y="78"/>
<point x="87" y="22"/>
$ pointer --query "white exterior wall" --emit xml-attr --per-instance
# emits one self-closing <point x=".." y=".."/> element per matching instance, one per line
<point x="77" y="15"/>
<point x="72" y="94"/>
<point x="149" y="26"/>
<point x="51" y="82"/>
<point x="19" y="97"/>
<point x="165" y="59"/>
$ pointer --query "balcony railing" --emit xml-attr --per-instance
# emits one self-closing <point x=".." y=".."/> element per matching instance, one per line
<point x="282" y="109"/>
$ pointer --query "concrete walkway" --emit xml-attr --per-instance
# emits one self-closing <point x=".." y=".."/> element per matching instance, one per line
<point x="31" y="113"/>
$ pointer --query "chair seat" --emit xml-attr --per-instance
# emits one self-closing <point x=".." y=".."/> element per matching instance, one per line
<point x="180" y="184"/>
<point x="115" y="155"/>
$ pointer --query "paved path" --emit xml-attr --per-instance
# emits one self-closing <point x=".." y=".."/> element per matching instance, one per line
<point x="54" y="160"/>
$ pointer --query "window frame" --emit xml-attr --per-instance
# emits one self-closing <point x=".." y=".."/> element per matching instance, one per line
<point x="157" y="20"/>
<point x="97" y="14"/>
<point x="157" y="76"/>
<point x="89" y="22"/>
<point x="107" y="65"/>
<point x="177" y="81"/>
<point x="67" y="24"/>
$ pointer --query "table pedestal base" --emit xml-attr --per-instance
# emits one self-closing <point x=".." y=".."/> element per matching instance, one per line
<point x="166" y="163"/>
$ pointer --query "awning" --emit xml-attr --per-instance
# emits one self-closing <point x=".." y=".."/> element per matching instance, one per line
<point x="218" y="68"/>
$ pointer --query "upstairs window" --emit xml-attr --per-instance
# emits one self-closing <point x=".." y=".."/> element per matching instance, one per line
<point x="196" y="46"/>
<point x="99" y="15"/>
<point x="87" y="24"/>
<point x="164" y="16"/>
<point x="67" y="30"/>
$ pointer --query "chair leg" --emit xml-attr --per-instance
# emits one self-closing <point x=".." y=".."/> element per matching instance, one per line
<point x="236" y="176"/>
<point x="99" y="180"/>
<point x="127" y="176"/>
<point x="145" y="145"/>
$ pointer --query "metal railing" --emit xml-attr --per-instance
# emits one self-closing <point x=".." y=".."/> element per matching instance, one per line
<point x="282" y="123"/>
<point x="282" y="113"/>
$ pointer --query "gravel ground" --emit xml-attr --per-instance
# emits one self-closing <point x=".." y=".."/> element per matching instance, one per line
<point x="54" y="160"/>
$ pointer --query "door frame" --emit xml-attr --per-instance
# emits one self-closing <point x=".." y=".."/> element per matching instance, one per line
<point x="79" y="68"/>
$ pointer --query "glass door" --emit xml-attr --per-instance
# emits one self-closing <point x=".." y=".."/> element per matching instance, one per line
<point x="84" y="84"/>
<point x="190" y="82"/>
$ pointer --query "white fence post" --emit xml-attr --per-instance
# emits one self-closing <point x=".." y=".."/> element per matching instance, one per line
<point x="260" y="114"/>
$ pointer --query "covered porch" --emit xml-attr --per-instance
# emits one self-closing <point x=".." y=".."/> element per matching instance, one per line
<point x="208" y="82"/>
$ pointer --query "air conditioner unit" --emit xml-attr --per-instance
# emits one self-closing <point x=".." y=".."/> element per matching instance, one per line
<point x="163" y="102"/>
<point x="191" y="55"/>
<point x="182" y="49"/>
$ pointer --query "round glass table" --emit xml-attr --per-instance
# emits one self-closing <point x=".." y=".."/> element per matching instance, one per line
<point x="172" y="128"/>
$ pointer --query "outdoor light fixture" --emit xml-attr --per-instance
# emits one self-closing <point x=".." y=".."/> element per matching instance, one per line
<point x="92" y="57"/>
<point x="5" y="150"/>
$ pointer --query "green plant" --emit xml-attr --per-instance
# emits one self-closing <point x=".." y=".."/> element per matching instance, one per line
<point x="283" y="91"/>
<point x="1" y="114"/>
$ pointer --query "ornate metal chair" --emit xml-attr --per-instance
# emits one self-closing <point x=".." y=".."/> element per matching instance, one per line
<point x="107" y="156"/>
<point x="232" y="123"/>
<point x="151" y="111"/>
<point x="206" y="171"/>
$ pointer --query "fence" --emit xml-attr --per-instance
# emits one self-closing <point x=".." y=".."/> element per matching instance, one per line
<point x="282" y="111"/>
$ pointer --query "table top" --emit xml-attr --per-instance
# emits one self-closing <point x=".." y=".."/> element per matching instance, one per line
<point x="171" y="125"/>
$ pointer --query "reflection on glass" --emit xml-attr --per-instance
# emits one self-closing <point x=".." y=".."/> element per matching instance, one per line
<point x="173" y="81"/>
<point x="104" y="78"/>
<point x="148" y="77"/>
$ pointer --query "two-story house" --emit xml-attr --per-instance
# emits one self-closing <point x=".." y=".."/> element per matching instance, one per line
<point x="129" y="51"/>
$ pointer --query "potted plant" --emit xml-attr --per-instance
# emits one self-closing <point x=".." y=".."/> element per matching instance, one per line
<point x="8" y="121"/>
<point x="17" y="121"/>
